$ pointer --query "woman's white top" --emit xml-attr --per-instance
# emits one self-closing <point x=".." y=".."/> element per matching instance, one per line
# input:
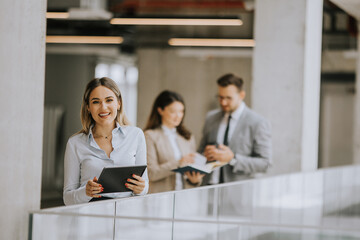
<point x="172" y="135"/>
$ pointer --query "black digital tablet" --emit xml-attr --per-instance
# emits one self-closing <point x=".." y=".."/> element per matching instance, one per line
<point x="113" y="179"/>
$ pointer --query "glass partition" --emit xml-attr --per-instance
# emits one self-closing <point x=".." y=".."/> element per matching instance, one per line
<point x="314" y="205"/>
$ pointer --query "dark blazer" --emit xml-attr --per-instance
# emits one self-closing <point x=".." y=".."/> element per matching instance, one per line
<point x="250" y="143"/>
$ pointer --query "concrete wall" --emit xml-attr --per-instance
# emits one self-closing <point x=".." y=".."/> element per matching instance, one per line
<point x="192" y="75"/>
<point x="22" y="58"/>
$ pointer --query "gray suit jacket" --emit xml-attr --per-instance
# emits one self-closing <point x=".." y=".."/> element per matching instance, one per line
<point x="250" y="143"/>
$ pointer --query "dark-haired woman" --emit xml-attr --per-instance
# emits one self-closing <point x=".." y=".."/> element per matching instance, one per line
<point x="169" y="145"/>
<point x="106" y="140"/>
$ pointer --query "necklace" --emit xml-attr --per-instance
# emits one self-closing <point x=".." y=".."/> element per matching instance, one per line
<point x="99" y="136"/>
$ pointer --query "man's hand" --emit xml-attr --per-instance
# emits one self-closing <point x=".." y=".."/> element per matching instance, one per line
<point x="222" y="153"/>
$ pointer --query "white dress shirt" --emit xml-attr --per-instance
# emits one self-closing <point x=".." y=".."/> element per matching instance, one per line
<point x="84" y="160"/>
<point x="235" y="115"/>
<point x="172" y="135"/>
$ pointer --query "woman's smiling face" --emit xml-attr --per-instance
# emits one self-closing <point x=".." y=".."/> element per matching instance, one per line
<point x="103" y="105"/>
<point x="172" y="115"/>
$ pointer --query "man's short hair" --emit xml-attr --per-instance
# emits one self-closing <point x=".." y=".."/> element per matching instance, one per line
<point x="231" y="79"/>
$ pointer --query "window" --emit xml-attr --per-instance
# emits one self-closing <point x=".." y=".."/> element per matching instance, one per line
<point x="126" y="77"/>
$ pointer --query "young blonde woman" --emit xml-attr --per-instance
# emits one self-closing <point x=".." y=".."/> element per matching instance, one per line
<point x="169" y="145"/>
<point x="106" y="140"/>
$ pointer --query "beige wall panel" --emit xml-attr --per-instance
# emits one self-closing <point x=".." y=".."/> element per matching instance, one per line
<point x="194" y="77"/>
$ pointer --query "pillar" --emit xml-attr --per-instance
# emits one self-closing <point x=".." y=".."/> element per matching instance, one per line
<point x="356" y="148"/>
<point x="286" y="83"/>
<point x="22" y="60"/>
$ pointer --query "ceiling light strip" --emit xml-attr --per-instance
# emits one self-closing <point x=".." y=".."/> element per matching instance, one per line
<point x="201" y="42"/>
<point x="84" y="39"/>
<point x="57" y="15"/>
<point x="177" y="21"/>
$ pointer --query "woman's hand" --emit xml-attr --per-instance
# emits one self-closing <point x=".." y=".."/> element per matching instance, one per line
<point x="187" y="159"/>
<point x="92" y="188"/>
<point x="194" y="177"/>
<point x="136" y="185"/>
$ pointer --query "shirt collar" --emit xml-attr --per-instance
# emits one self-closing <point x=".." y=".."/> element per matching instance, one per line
<point x="118" y="128"/>
<point x="237" y="113"/>
<point x="168" y="131"/>
<point x="90" y="134"/>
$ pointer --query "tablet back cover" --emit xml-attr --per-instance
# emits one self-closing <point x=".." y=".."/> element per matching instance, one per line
<point x="113" y="179"/>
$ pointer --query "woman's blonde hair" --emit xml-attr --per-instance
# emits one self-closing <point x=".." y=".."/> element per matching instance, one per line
<point x="85" y="116"/>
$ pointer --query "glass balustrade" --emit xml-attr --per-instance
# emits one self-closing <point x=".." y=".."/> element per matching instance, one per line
<point x="324" y="204"/>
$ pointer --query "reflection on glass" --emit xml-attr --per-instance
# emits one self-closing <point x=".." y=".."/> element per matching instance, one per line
<point x="155" y="206"/>
<point x="60" y="227"/>
<point x="195" y="230"/>
<point x="130" y="229"/>
<point x="236" y="202"/>
<point x="315" y="205"/>
<point x="196" y="204"/>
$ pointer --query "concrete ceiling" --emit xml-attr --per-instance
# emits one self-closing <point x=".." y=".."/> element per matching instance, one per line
<point x="335" y="35"/>
<point x="155" y="36"/>
<point x="352" y="7"/>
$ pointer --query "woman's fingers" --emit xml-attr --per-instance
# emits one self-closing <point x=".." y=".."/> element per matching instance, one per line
<point x="135" y="188"/>
<point x="92" y="188"/>
<point x="93" y="184"/>
<point x="136" y="185"/>
<point x="138" y="178"/>
<point x="93" y="193"/>
<point x="190" y="158"/>
<point x="141" y="181"/>
<point x="194" y="177"/>
<point x="198" y="174"/>
<point x="137" y="181"/>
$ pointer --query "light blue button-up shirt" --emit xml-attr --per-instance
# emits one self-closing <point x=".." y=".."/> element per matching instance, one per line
<point x="84" y="160"/>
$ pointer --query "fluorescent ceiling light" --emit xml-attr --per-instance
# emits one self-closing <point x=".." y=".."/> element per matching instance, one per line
<point x="176" y="21"/>
<point x="208" y="42"/>
<point x="84" y="39"/>
<point x="57" y="15"/>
